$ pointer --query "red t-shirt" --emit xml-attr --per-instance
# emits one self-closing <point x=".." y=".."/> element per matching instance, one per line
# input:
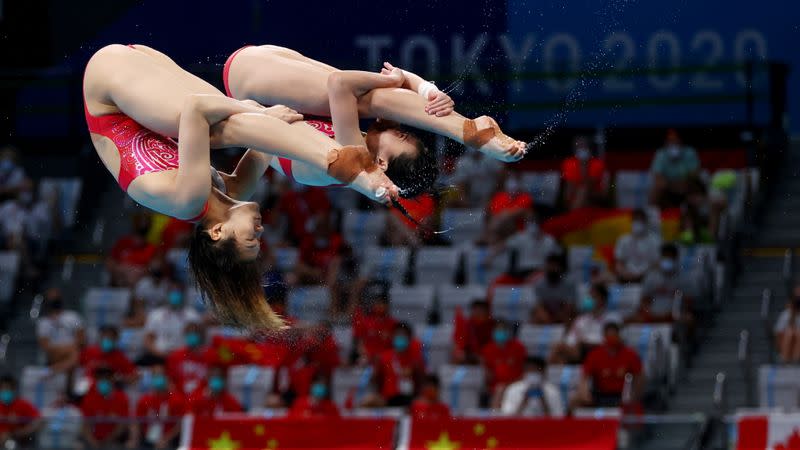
<point x="19" y="409"/>
<point x="504" y="364"/>
<point x="113" y="407"/>
<point x="571" y="171"/>
<point x="133" y="251"/>
<point x="607" y="369"/>
<point x="503" y="201"/>
<point x="187" y="369"/>
<point x="306" y="407"/>
<point x="420" y="208"/>
<point x="171" y="405"/>
<point x="319" y="257"/>
<point x="398" y="372"/>
<point x="300" y="206"/>
<point x="374" y="332"/>
<point x="92" y="358"/>
<point x="174" y="232"/>
<point x="422" y="409"/>
<point x="477" y="335"/>
<point x="207" y="405"/>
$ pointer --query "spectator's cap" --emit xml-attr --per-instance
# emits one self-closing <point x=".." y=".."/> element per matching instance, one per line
<point x="535" y="362"/>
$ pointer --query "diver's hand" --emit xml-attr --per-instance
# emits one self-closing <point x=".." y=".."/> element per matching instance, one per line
<point x="439" y="104"/>
<point x="393" y="73"/>
<point x="284" y="113"/>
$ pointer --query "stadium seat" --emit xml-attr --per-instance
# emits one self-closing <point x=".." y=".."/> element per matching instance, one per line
<point x="267" y="413"/>
<point x="566" y="378"/>
<point x="581" y="261"/>
<point x="597" y="413"/>
<point x="632" y="188"/>
<point x="106" y="306"/>
<point x="376" y="413"/>
<point x="513" y="303"/>
<point x="624" y="298"/>
<point x="543" y="186"/>
<point x="131" y="342"/>
<point x="9" y="268"/>
<point x="463" y="225"/>
<point x="363" y="228"/>
<point x="141" y="386"/>
<point x="286" y="258"/>
<point x="778" y="387"/>
<point x="461" y="386"/>
<point x="651" y="343"/>
<point x="67" y="192"/>
<point x="179" y="259"/>
<point x="309" y="304"/>
<point x="226" y="332"/>
<point x="385" y="263"/>
<point x="250" y="384"/>
<point x="436" y="265"/>
<point x="482" y="271"/>
<point x="538" y="339"/>
<point x="452" y="297"/>
<point x="61" y="428"/>
<point x="194" y="299"/>
<point x="437" y="344"/>
<point x="355" y="382"/>
<point x="343" y="335"/>
<point x="412" y="304"/>
<point x="40" y="386"/>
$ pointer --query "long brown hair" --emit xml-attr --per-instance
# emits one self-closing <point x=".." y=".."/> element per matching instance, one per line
<point x="232" y="287"/>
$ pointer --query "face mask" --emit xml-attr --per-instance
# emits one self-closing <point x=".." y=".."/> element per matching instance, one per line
<point x="583" y="154"/>
<point x="104" y="387"/>
<point x="587" y="304"/>
<point x="400" y="342"/>
<point x="319" y="391"/>
<point x="501" y="336"/>
<point x="512" y="185"/>
<point x="7" y="396"/>
<point x="159" y="382"/>
<point x="107" y="344"/>
<point x="6" y="165"/>
<point x="175" y="299"/>
<point x="216" y="384"/>
<point x="534" y="378"/>
<point x="193" y="340"/>
<point x="674" y="151"/>
<point x="638" y="228"/>
<point x="667" y="265"/>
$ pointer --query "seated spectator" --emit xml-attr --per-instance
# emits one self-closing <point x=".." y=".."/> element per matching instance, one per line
<point x="787" y="330"/>
<point x="533" y="395"/>
<point x="556" y="293"/>
<point x="165" y="326"/>
<point x="318" y="261"/>
<point x="475" y="177"/>
<point x="314" y="355"/>
<point x="19" y="419"/>
<point x="59" y="332"/>
<point x="605" y="369"/>
<point x="586" y="331"/>
<point x="531" y="247"/>
<point x="693" y="226"/>
<point x="131" y="254"/>
<point x="509" y="210"/>
<point x="470" y="335"/>
<point x="585" y="177"/>
<point x="104" y="407"/>
<point x="154" y="286"/>
<point x="136" y="316"/>
<point x="660" y="288"/>
<point x="12" y="175"/>
<point x="403" y="232"/>
<point x="106" y="353"/>
<point x="429" y="404"/>
<point x="636" y="253"/>
<point x="674" y="165"/>
<point x="503" y="358"/>
<point x="214" y="398"/>
<point x="400" y="370"/>
<point x="187" y="366"/>
<point x="372" y="332"/>
<point x="297" y="204"/>
<point x="158" y="413"/>
<point x="25" y="227"/>
<point x="317" y="403"/>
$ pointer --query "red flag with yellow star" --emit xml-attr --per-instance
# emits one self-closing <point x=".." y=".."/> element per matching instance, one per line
<point x="268" y="434"/>
<point x="501" y="433"/>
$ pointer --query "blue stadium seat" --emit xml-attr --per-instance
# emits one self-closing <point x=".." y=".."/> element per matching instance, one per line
<point x="778" y="387"/>
<point x="451" y="297"/>
<point x="461" y="386"/>
<point x="178" y="258"/>
<point x="624" y="298"/>
<point x="385" y="263"/>
<point x="566" y="378"/>
<point x="106" y="306"/>
<point x="309" y="304"/>
<point x="40" y="386"/>
<point x="250" y="384"/>
<point x="437" y="344"/>
<point x="9" y="268"/>
<point x="538" y="339"/>
<point x="286" y="258"/>
<point x="67" y="193"/>
<point x="464" y="225"/>
<point x="351" y="381"/>
<point x="632" y="188"/>
<point x="412" y="304"/>
<point x="543" y="186"/>
<point x="131" y="342"/>
<point x="481" y="270"/>
<point x="343" y="335"/>
<point x="362" y="228"/>
<point x="513" y="303"/>
<point x="436" y="265"/>
<point x="581" y="261"/>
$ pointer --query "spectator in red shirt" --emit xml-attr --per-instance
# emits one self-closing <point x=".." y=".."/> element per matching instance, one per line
<point x="106" y="353"/>
<point x="131" y="254"/>
<point x="605" y="369"/>
<point x="19" y="419"/>
<point x="319" y="261"/>
<point x="429" y="405"/>
<point x="157" y="413"/>
<point x="401" y="369"/>
<point x="504" y="360"/>
<point x="373" y="331"/>
<point x="103" y="408"/>
<point x="214" y="398"/>
<point x="471" y="335"/>
<point x="317" y="403"/>
<point x="187" y="366"/>
<point x="585" y="177"/>
<point x="508" y="210"/>
<point x="402" y="231"/>
<point x="298" y="204"/>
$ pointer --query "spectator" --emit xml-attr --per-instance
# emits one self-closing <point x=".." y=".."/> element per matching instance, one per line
<point x="403" y="232"/>
<point x="315" y="355"/>
<point x="428" y="404"/>
<point x="59" y="332"/>
<point x="605" y="369"/>
<point x="187" y="366"/>
<point x="400" y="369"/>
<point x="104" y="407"/>
<point x="19" y="419"/>
<point x="585" y="177"/>
<point x="636" y="253"/>
<point x="503" y="358"/>
<point x="318" y="262"/>
<point x="508" y="211"/>
<point x="157" y="413"/>
<point x="136" y="316"/>
<point x="787" y="330"/>
<point x="475" y="177"/>
<point x="373" y="331"/>
<point x="674" y="165"/>
<point x="107" y="354"/>
<point x="297" y="204"/>
<point x="131" y="254"/>
<point x="213" y="398"/>
<point x="660" y="288"/>
<point x="472" y="334"/>
<point x="693" y="227"/>
<point x="555" y="293"/>
<point x="586" y="331"/>
<point x="531" y="247"/>
<point x="154" y="286"/>
<point x="12" y="175"/>
<point x="533" y="395"/>
<point x="165" y="326"/>
<point x="317" y="403"/>
<point x="26" y="225"/>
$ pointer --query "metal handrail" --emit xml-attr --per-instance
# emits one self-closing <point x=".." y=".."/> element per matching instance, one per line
<point x="36" y="306"/>
<point x="4" y="341"/>
<point x="746" y="364"/>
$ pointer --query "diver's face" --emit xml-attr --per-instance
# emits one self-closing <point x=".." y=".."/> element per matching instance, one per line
<point x="243" y="226"/>
<point x="393" y="143"/>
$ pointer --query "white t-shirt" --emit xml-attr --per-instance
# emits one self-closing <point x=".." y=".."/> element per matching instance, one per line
<point x="516" y="392"/>
<point x="60" y="329"/>
<point x="588" y="328"/>
<point x="12" y="218"/>
<point x="480" y="174"/>
<point x="168" y="324"/>
<point x="638" y="253"/>
<point x="783" y="322"/>
<point x="532" y="248"/>
<point x="152" y="292"/>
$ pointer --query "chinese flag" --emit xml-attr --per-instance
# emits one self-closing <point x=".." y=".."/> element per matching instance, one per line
<point x="527" y="434"/>
<point x="773" y="432"/>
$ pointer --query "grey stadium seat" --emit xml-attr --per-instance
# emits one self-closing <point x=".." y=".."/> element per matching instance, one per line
<point x="464" y="225"/>
<point x="355" y="381"/>
<point x="538" y="339"/>
<point x="385" y="263"/>
<point x="363" y="228"/>
<point x="106" y="306"/>
<point x="250" y="384"/>
<point x="412" y="303"/>
<point x="67" y="192"/>
<point x="343" y="335"/>
<point x="543" y="186"/>
<point x="632" y="188"/>
<point x="451" y="297"/>
<point x="436" y="265"/>
<point x="9" y="268"/>
<point x="179" y="259"/>
<point x="131" y="342"/>
<point x="309" y="304"/>
<point x="513" y="303"/>
<point x="40" y="386"/>
<point x="437" y="344"/>
<point x="286" y="258"/>
<point x="565" y="378"/>
<point x="624" y="298"/>
<point x="778" y="387"/>
<point x="482" y="271"/>
<point x="651" y="343"/>
<point x="461" y="386"/>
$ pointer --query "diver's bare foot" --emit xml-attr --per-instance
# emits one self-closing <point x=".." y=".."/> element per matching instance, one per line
<point x="483" y="134"/>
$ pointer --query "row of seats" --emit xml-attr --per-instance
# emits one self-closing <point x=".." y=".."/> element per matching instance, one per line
<point x="778" y="387"/>
<point x="9" y="269"/>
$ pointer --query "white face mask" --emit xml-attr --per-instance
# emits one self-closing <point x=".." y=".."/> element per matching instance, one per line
<point x="638" y="228"/>
<point x="583" y="154"/>
<point x="674" y="151"/>
<point x="534" y="378"/>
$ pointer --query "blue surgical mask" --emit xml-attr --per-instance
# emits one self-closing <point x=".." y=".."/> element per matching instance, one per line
<point x="501" y="336"/>
<point x="175" y="298"/>
<point x="587" y="304"/>
<point x="7" y="396"/>
<point x="583" y="154"/>
<point x="216" y="384"/>
<point x="159" y="382"/>
<point x="400" y="342"/>
<point x="104" y="387"/>
<point x="193" y="340"/>
<point x="667" y="265"/>
<point x="107" y="344"/>
<point x="319" y="391"/>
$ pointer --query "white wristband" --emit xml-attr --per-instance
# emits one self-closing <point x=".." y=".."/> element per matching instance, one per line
<point x="425" y="88"/>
